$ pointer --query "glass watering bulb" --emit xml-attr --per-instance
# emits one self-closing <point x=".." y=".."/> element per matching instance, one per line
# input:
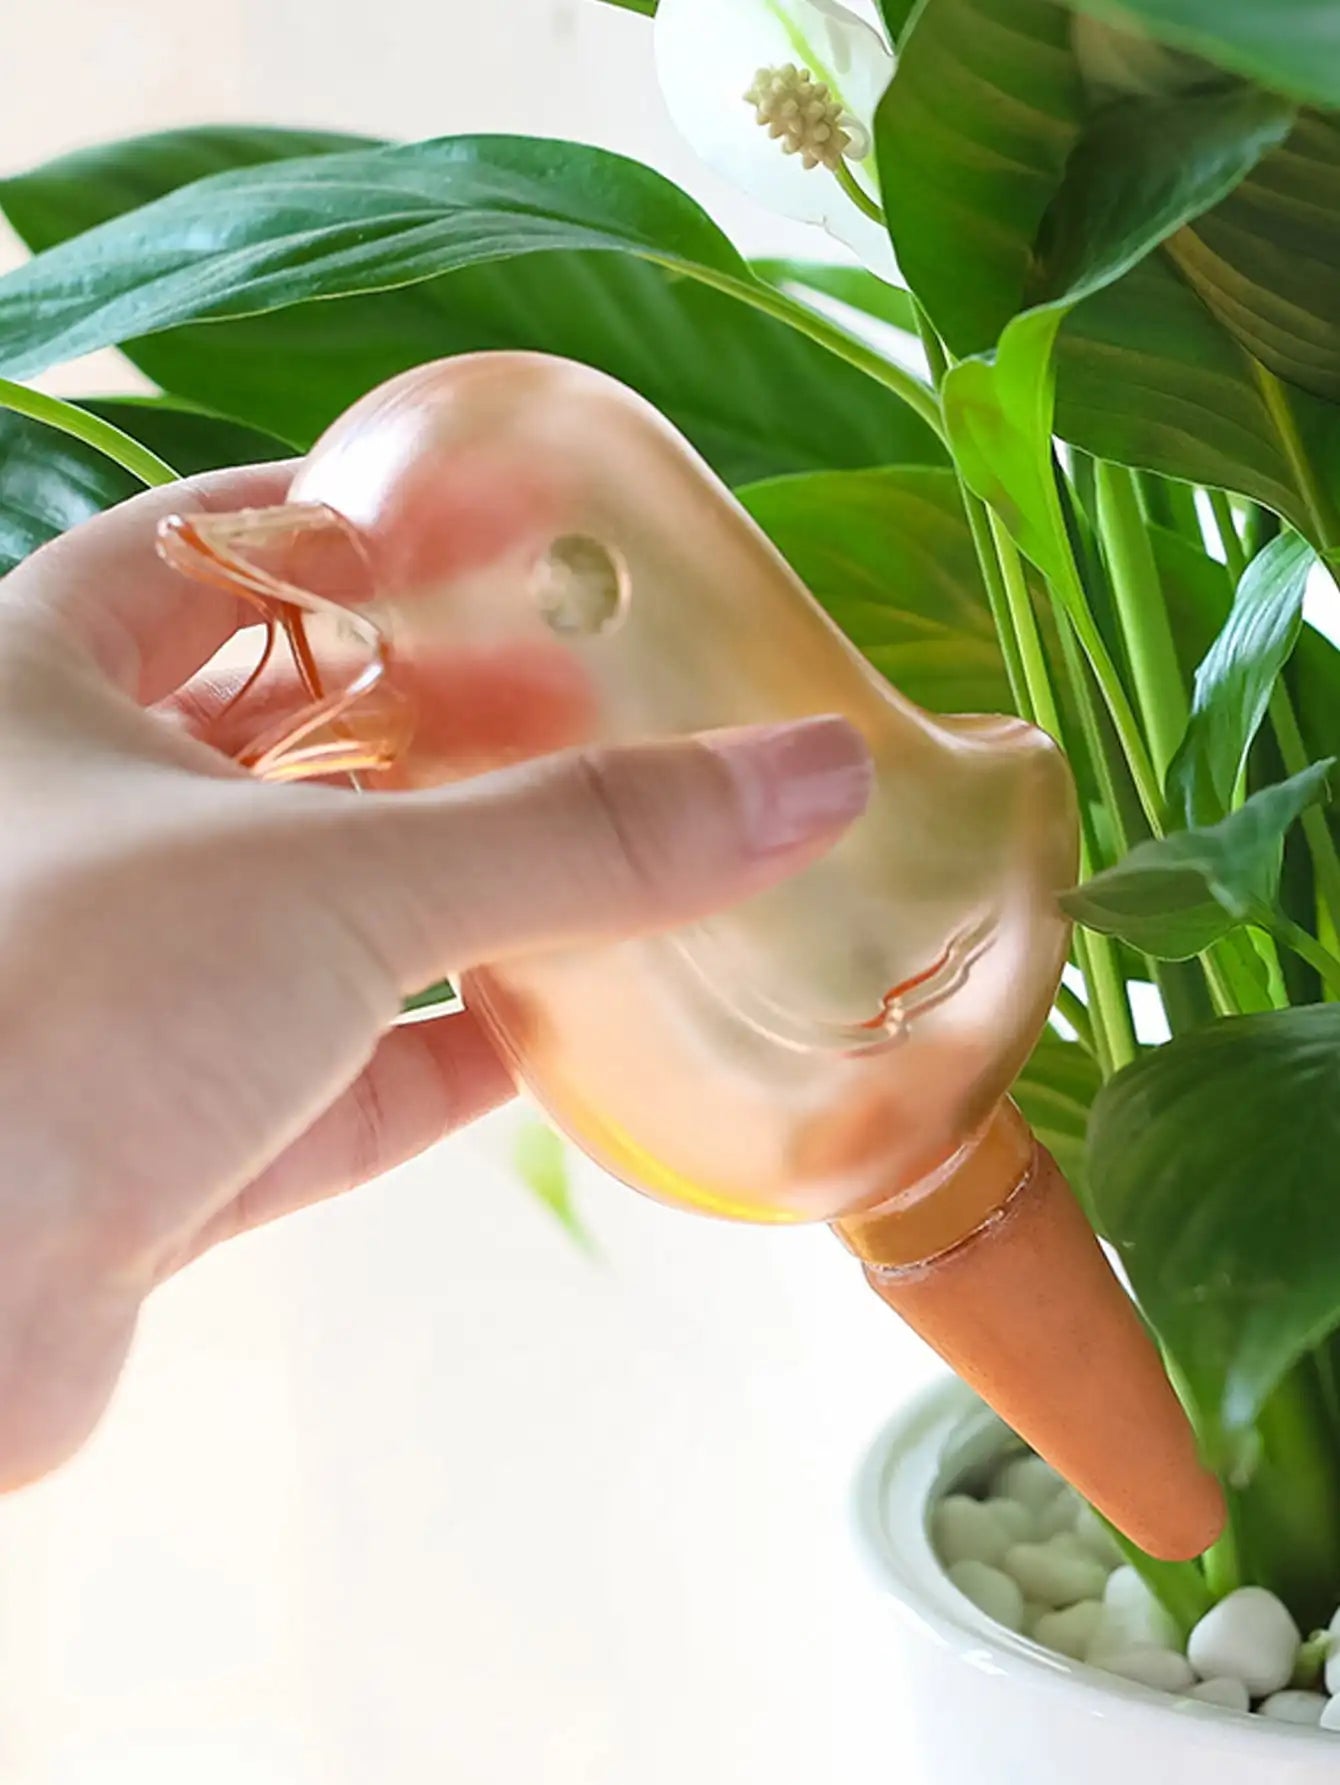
<point x="839" y="1048"/>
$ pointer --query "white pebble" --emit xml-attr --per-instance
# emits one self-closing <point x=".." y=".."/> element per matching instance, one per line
<point x="1330" y="1717"/>
<point x="1231" y="1694"/>
<point x="1132" y="1618"/>
<point x="990" y="1591"/>
<point x="1059" y="1514"/>
<point x="1333" y="1659"/>
<point x="1069" y="1632"/>
<point x="1249" y="1637"/>
<point x="1164" y="1669"/>
<point x="1294" y="1707"/>
<point x="1014" y="1518"/>
<point x="1029" y="1480"/>
<point x="1096" y="1537"/>
<point x="1056" y="1573"/>
<point x="967" y="1531"/>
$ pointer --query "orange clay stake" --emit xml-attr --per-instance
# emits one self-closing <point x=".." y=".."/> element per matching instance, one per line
<point x="505" y="554"/>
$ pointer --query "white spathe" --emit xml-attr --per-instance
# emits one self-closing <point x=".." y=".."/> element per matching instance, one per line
<point x="708" y="55"/>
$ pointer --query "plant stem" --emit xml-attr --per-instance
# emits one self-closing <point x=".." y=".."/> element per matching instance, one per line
<point x="1235" y="556"/>
<point x="1072" y="596"/>
<point x="1308" y="949"/>
<point x="906" y="385"/>
<point x="980" y="528"/>
<point x="1320" y="506"/>
<point x="856" y="193"/>
<point x="1179" y="1587"/>
<point x="1027" y="637"/>
<point x="1169" y="504"/>
<point x="1143" y="614"/>
<point x="1076" y="1012"/>
<point x="1320" y="842"/>
<point x="101" y="435"/>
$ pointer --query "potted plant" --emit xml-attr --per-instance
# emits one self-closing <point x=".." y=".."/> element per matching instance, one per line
<point x="1063" y="437"/>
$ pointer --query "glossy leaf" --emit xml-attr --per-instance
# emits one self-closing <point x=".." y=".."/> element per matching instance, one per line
<point x="258" y="238"/>
<point x="1175" y="896"/>
<point x="896" y="14"/>
<point x="1234" y="683"/>
<point x="852" y="286"/>
<point x="755" y="397"/>
<point x="72" y="193"/>
<point x="50" y="482"/>
<point x="889" y="556"/>
<point x="1055" y="1092"/>
<point x="1267" y="260"/>
<point x="973" y="136"/>
<point x="1214" y="1168"/>
<point x="1292" y="45"/>
<point x="1121" y="199"/>
<point x="1146" y="377"/>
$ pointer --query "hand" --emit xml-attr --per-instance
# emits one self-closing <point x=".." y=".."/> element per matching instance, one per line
<point x="199" y="972"/>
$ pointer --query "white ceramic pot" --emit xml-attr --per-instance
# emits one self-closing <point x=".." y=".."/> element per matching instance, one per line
<point x="992" y="1708"/>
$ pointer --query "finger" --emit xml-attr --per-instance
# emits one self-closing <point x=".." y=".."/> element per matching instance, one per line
<point x="146" y="625"/>
<point x="475" y="707"/>
<point x="582" y="844"/>
<point x="423" y="1083"/>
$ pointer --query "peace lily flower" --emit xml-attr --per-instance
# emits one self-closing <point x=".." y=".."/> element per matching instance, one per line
<point x="779" y="97"/>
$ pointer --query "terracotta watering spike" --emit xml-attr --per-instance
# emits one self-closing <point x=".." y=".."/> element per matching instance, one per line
<point x="505" y="554"/>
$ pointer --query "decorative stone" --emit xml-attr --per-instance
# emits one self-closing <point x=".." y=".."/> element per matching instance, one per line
<point x="1132" y="1618"/>
<point x="1294" y="1707"/>
<point x="1248" y="1636"/>
<point x="1163" y="1669"/>
<point x="1231" y="1694"/>
<point x="1029" y="1480"/>
<point x="990" y="1591"/>
<point x="967" y="1530"/>
<point x="1058" y="1572"/>
<point x="1069" y="1632"/>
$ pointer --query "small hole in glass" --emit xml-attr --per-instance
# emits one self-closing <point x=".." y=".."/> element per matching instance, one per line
<point x="581" y="587"/>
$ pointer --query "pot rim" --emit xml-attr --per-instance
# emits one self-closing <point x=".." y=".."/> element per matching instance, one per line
<point x="926" y="1445"/>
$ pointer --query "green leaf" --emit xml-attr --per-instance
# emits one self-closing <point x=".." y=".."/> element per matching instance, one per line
<point x="1292" y="45"/>
<point x="646" y="7"/>
<point x="1146" y="377"/>
<point x="852" y="286"/>
<point x="756" y="398"/>
<point x="1121" y="198"/>
<point x="1266" y="261"/>
<point x="973" y="136"/>
<point x="258" y="238"/>
<point x="1143" y="169"/>
<point x="896" y="14"/>
<point x="541" y="1160"/>
<point x="1214" y="1168"/>
<point x="889" y="556"/>
<point x="50" y="482"/>
<point x="1175" y="896"/>
<point x="1234" y="683"/>
<point x="1055" y="1091"/>
<point x="74" y="192"/>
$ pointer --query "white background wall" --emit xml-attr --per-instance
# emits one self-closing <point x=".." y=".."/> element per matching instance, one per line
<point x="408" y="1488"/>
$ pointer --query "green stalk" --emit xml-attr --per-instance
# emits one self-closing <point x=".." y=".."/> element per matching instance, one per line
<point x="1235" y="556"/>
<point x="1076" y="1012"/>
<point x="1143" y="615"/>
<point x="1179" y="1587"/>
<point x="1307" y="948"/>
<point x="1317" y="832"/>
<point x="1169" y="504"/>
<point x="1070" y="591"/>
<point x="857" y="193"/>
<point x="101" y="435"/>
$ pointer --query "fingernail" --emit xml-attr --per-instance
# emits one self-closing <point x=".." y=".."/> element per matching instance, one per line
<point x="796" y="781"/>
